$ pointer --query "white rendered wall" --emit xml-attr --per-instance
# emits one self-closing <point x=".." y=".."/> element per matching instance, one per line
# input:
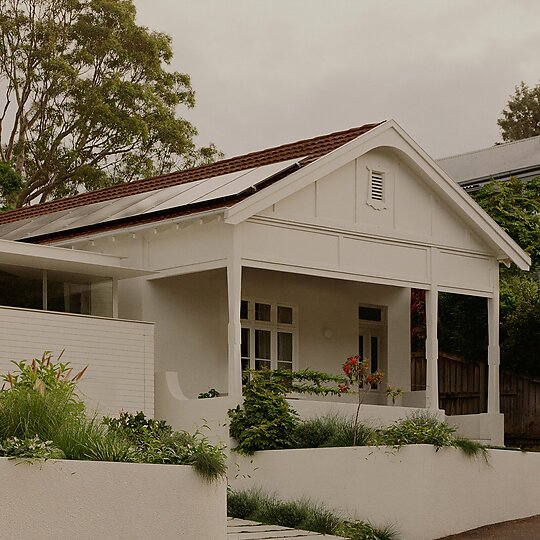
<point x="426" y="494"/>
<point x="87" y="500"/>
<point x="119" y="354"/>
<point x="333" y="305"/>
<point x="190" y="315"/>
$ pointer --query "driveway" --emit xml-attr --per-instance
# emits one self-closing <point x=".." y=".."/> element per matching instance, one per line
<point x="518" y="529"/>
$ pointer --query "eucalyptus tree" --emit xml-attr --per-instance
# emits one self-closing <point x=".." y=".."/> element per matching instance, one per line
<point x="88" y="100"/>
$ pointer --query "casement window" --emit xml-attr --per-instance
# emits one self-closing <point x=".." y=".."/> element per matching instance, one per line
<point x="269" y="335"/>
<point x="372" y="331"/>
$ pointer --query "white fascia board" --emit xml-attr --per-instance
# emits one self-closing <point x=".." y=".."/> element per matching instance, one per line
<point x="385" y="135"/>
<point x="65" y="260"/>
<point x="466" y="206"/>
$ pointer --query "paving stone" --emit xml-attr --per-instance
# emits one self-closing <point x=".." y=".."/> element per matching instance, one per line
<point x="243" y="529"/>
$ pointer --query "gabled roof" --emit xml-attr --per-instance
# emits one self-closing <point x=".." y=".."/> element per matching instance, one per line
<point x="502" y="161"/>
<point x="308" y="150"/>
<point x="241" y="187"/>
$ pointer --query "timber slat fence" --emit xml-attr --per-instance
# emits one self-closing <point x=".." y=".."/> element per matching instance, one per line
<point x="462" y="390"/>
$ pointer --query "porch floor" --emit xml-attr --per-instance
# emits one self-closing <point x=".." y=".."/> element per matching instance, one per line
<point x="242" y="529"/>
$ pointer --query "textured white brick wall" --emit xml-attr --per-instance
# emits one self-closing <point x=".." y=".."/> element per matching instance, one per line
<point x="119" y="354"/>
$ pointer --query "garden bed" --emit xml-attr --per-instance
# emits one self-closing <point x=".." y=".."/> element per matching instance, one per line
<point x="427" y="493"/>
<point x="93" y="499"/>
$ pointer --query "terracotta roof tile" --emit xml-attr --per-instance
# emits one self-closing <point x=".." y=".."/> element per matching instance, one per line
<point x="311" y="149"/>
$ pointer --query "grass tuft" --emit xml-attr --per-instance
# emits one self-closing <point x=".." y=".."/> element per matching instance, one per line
<point x="302" y="514"/>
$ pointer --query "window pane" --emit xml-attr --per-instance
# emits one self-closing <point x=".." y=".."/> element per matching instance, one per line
<point x="262" y="312"/>
<point x="284" y="315"/>
<point x="370" y="313"/>
<point x="21" y="287"/>
<point x="285" y="365"/>
<point x="285" y="347"/>
<point x="245" y="343"/>
<point x="262" y="364"/>
<point x="361" y="345"/>
<point x="374" y="353"/>
<point x="244" y="304"/>
<point x="262" y="344"/>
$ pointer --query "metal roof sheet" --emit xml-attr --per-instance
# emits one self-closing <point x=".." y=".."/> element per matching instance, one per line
<point x="501" y="160"/>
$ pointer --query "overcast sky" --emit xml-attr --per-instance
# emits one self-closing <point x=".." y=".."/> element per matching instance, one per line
<point x="267" y="72"/>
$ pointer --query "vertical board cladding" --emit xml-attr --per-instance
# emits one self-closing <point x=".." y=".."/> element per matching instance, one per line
<point x="119" y="354"/>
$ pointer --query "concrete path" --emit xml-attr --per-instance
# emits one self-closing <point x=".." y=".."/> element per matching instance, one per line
<point x="242" y="529"/>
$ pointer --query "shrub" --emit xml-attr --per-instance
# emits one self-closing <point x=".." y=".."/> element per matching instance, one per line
<point x="266" y="421"/>
<point x="154" y="441"/>
<point x="424" y="428"/>
<point x="330" y="431"/>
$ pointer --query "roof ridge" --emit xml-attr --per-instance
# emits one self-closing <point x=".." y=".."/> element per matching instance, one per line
<point x="312" y="148"/>
<point x="487" y="148"/>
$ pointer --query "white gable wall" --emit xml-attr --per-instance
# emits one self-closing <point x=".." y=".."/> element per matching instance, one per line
<point x="416" y="239"/>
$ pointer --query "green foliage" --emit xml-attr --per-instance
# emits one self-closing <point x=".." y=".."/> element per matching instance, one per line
<point x="520" y="322"/>
<point x="154" y="441"/>
<point x="420" y="428"/>
<point x="43" y="374"/>
<point x="521" y="117"/>
<point x="42" y="416"/>
<point x="265" y="421"/>
<point x="11" y="183"/>
<point x="462" y="326"/>
<point x="332" y="431"/>
<point x="300" y="514"/>
<point x="423" y="428"/>
<point x="515" y="206"/>
<point x="33" y="448"/>
<point x="360" y="530"/>
<point x="89" y="100"/>
<point x="212" y="393"/>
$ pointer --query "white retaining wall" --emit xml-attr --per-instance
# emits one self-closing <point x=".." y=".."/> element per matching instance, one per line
<point x="119" y="354"/>
<point x="427" y="494"/>
<point x="90" y="500"/>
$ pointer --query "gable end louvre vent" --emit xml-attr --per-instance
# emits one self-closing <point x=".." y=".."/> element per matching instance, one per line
<point x="377" y="186"/>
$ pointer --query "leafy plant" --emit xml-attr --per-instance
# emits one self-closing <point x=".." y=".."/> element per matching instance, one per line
<point x="154" y="441"/>
<point x="212" y="393"/>
<point x="424" y="428"/>
<point x="33" y="448"/>
<point x="43" y="374"/>
<point x="393" y="392"/>
<point x="265" y="421"/>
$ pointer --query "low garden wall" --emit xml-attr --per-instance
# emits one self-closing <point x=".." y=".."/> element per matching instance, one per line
<point x="426" y="493"/>
<point x="89" y="499"/>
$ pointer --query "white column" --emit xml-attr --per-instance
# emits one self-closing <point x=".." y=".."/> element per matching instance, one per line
<point x="493" y="401"/>
<point x="432" y="349"/>
<point x="234" y="296"/>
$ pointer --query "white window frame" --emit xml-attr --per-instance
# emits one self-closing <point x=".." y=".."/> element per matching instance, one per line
<point x="273" y="327"/>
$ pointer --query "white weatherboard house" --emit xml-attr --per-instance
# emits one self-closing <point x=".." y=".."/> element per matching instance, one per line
<point x="296" y="256"/>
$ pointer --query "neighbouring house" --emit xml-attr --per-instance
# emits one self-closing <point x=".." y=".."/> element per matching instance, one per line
<point x="517" y="159"/>
<point x="296" y="256"/>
